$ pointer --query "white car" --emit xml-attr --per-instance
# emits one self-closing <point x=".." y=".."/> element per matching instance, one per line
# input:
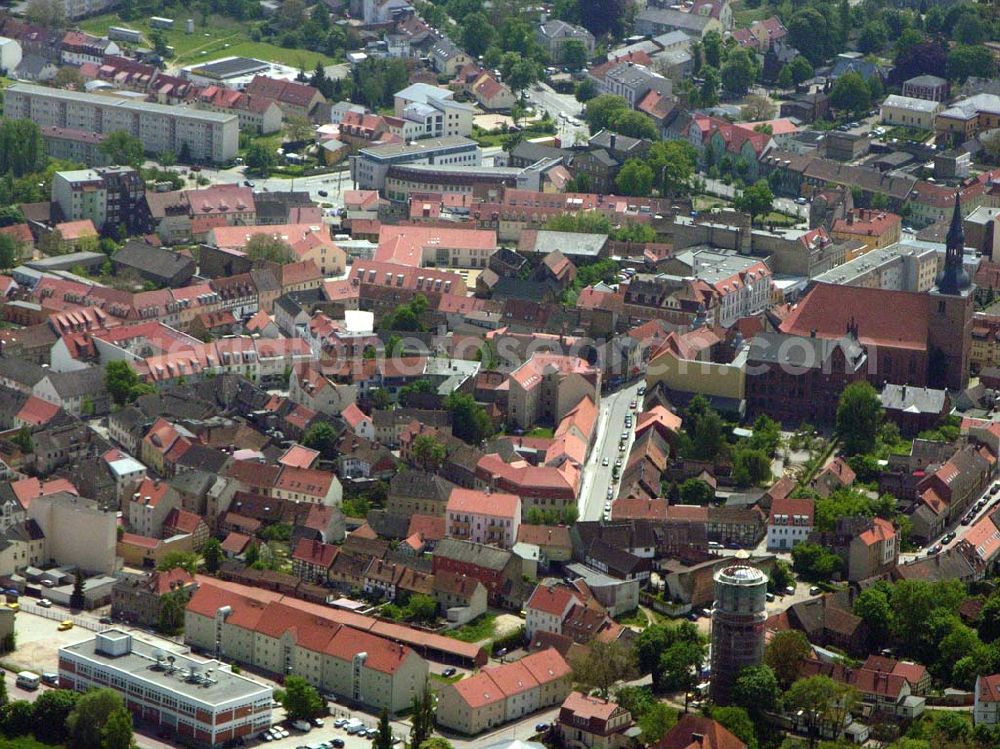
<point x="611" y="493"/>
<point x="318" y="722"/>
<point x="607" y="507"/>
<point x="45" y="603"/>
<point x="604" y="462"/>
<point x="302" y="725"/>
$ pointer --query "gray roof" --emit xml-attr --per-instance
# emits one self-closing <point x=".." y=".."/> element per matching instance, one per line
<point x="89" y="381"/>
<point x="801" y="352"/>
<point x="670" y="18"/>
<point x="140" y="662"/>
<point x="913" y="399"/>
<point x="488" y="557"/>
<point x="412" y="483"/>
<point x="20" y="371"/>
<point x="156" y="263"/>
<point x="571" y="244"/>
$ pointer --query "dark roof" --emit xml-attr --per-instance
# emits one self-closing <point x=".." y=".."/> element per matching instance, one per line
<point x="487" y="557"/>
<point x="413" y="483"/>
<point x="89" y="381"/>
<point x="913" y="399"/>
<point x="155" y="264"/>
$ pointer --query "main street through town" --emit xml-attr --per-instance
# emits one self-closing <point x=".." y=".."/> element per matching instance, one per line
<point x="610" y="426"/>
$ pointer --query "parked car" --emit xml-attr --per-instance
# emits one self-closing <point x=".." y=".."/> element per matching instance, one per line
<point x="45" y="603"/>
<point x="301" y="725"/>
<point x="948" y="538"/>
<point x="604" y="462"/>
<point x="801" y="201"/>
<point x="448" y="672"/>
<point x="318" y="722"/>
<point x="541" y="727"/>
<point x="105" y="620"/>
<point x="935" y="549"/>
<point x="338" y="743"/>
<point x="65" y="625"/>
<point x="322" y="193"/>
<point x="813" y="590"/>
<point x="50" y="678"/>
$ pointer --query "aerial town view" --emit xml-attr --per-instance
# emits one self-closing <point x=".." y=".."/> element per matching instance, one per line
<point x="499" y="374"/>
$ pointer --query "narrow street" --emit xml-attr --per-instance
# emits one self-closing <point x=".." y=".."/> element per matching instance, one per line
<point x="611" y="425"/>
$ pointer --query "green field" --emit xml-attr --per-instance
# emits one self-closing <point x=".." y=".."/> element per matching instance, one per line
<point x="223" y="37"/>
<point x="24" y="742"/>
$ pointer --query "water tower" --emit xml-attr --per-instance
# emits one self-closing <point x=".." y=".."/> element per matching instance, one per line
<point x="737" y="625"/>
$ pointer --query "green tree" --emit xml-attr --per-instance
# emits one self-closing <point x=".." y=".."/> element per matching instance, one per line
<point x="635" y="178"/>
<point x="321" y="436"/>
<point x="300" y="699"/>
<point x="23" y="439"/>
<point x="383" y="739"/>
<point x="873" y="37"/>
<point x="604" y="665"/>
<point x="477" y="33"/>
<point x="4" y="699"/>
<point x="859" y="415"/>
<point x="781" y="577"/>
<point x="737" y="721"/>
<point x="872" y="606"/>
<point x="117" y="731"/>
<point x="574" y="55"/>
<point x="261" y="158"/>
<point x="586" y="90"/>
<point x="262" y="247"/>
<point x="822" y="700"/>
<point x="679" y="666"/>
<point x="52" y="708"/>
<point x="86" y="722"/>
<point x="673" y="163"/>
<point x="421" y="718"/>
<point x="712" y="48"/>
<point x="784" y="654"/>
<point x="696" y="492"/>
<point x="186" y="560"/>
<point x="435" y="742"/>
<point x="171" y="618"/>
<point x="965" y="61"/>
<point x="22" y="150"/>
<point x="809" y="32"/>
<point x="756" y="200"/>
<point x="708" y="94"/>
<point x="751" y="467"/>
<point x="122" y="148"/>
<point x="634" y="124"/>
<point x="785" y="79"/>
<point x="969" y="30"/>
<point x="211" y="552"/>
<point x="428" y="452"/>
<point x="601" y="110"/>
<point x="18" y="719"/>
<point x="815" y="562"/>
<point x="656" y="721"/>
<point x="48" y="13"/>
<point x="802" y="69"/>
<point x="76" y="598"/>
<point x="470" y="421"/>
<point x="756" y="689"/>
<point x="120" y="381"/>
<point x="851" y="94"/>
<point x="421" y="608"/>
<point x="739" y="71"/>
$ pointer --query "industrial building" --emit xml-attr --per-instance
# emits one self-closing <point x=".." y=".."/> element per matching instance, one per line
<point x="202" y="702"/>
<point x="737" y="625"/>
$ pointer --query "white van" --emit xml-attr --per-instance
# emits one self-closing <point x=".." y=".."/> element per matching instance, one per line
<point x="28" y="680"/>
<point x="353" y="726"/>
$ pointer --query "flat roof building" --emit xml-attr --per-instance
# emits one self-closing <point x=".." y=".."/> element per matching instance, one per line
<point x="201" y="701"/>
<point x="370" y="165"/>
<point x="209" y="136"/>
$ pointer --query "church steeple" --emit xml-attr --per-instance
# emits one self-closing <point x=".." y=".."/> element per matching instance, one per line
<point x="954" y="279"/>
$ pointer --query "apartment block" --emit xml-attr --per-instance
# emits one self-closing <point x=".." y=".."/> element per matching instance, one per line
<point x="370" y="165"/>
<point x="209" y="136"/>
<point x="108" y="196"/>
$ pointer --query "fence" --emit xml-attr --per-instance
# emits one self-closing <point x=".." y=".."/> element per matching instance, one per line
<point x="61" y="615"/>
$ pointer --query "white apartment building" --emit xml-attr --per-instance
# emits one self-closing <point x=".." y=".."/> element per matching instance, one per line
<point x="790" y="522"/>
<point x="81" y="195"/>
<point x="435" y="111"/>
<point x="209" y="136"/>
<point x="483" y="517"/>
<point x="201" y="701"/>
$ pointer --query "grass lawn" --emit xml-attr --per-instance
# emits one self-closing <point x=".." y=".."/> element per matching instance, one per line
<point x="222" y="37"/>
<point x="744" y="16"/>
<point x="25" y="742"/>
<point x="479" y="629"/>
<point x="546" y="432"/>
<point x="633" y="618"/>
<point x="447" y="679"/>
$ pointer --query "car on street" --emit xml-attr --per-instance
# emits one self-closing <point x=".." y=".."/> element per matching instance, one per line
<point x="541" y="727"/>
<point x="618" y="463"/>
<point x="301" y="725"/>
<point x="322" y="193"/>
<point x="340" y="722"/>
<point x="449" y="672"/>
<point x="318" y="722"/>
<point x="50" y="678"/>
<point x="813" y="590"/>
<point x="338" y="743"/>
<point x="65" y="625"/>
<point x="967" y="519"/>
<point x="641" y="390"/>
<point x="625" y="435"/>
<point x="632" y="405"/>
<point x="45" y="603"/>
<point x="801" y="201"/>
<point x="105" y="620"/>
<point x="611" y="493"/>
<point x="604" y="462"/>
<point x="607" y="507"/>
<point x="734" y="546"/>
<point x="948" y="538"/>
<point x="935" y="549"/>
